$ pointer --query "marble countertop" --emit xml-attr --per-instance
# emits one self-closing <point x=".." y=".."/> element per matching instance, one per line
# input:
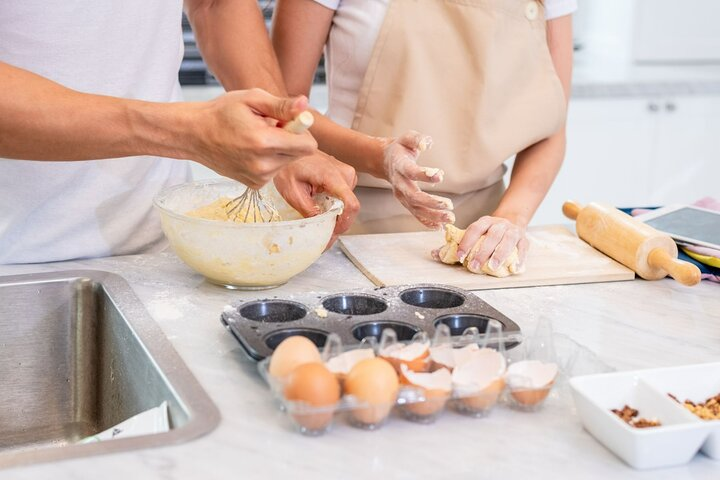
<point x="629" y="325"/>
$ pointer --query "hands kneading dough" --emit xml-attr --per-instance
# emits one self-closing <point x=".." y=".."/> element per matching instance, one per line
<point x="448" y="254"/>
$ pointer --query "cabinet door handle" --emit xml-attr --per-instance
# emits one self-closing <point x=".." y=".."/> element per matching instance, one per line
<point x="670" y="107"/>
<point x="653" y="107"/>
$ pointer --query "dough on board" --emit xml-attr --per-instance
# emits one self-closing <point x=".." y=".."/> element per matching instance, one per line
<point x="448" y="254"/>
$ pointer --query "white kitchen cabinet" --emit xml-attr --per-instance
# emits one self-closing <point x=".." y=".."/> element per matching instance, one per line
<point x="638" y="152"/>
<point x="685" y="165"/>
<point x="662" y="32"/>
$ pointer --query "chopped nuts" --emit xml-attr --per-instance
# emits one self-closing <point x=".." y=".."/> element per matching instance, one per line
<point x="708" y="410"/>
<point x="628" y="415"/>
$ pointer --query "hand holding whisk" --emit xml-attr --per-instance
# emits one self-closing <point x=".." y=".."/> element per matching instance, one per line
<point x="251" y="207"/>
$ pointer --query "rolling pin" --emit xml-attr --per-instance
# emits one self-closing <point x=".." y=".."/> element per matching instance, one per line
<point x="651" y="254"/>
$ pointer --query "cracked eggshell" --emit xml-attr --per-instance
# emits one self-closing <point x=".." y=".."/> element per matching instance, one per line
<point x="442" y="357"/>
<point x="341" y="364"/>
<point x="445" y="356"/>
<point x="291" y="353"/>
<point x="486" y="398"/>
<point x="374" y="382"/>
<point x="414" y="355"/>
<point x="479" y="381"/>
<point x="436" y="388"/>
<point x="530" y="381"/>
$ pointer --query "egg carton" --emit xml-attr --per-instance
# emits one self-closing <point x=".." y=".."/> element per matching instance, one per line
<point x="260" y="325"/>
<point x="423" y="405"/>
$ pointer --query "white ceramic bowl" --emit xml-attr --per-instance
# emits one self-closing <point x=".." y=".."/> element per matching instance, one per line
<point x="696" y="383"/>
<point x="244" y="256"/>
<point x="675" y="442"/>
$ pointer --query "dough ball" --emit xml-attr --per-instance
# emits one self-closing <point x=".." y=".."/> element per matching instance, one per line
<point x="448" y="254"/>
<point x="509" y="267"/>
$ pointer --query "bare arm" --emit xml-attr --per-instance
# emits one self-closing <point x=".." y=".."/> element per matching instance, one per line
<point x="300" y="31"/>
<point x="42" y="120"/>
<point x="234" y="42"/>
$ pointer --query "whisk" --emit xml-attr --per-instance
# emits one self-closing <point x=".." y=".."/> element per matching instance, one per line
<point x="251" y="207"/>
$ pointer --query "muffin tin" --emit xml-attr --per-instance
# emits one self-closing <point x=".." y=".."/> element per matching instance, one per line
<point x="260" y="325"/>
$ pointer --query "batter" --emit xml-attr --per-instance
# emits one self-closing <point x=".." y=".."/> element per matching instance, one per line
<point x="220" y="211"/>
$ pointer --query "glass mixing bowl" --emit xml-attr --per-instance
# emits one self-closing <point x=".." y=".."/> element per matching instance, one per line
<point x="244" y="255"/>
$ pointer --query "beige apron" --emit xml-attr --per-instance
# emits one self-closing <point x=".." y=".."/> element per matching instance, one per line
<point x="477" y="76"/>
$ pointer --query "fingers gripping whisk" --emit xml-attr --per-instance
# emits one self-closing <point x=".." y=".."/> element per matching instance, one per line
<point x="251" y="207"/>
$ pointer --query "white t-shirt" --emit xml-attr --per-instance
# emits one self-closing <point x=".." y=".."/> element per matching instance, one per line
<point x="347" y="53"/>
<point x="51" y="211"/>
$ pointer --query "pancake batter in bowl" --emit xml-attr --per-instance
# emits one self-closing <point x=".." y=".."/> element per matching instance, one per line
<point x="219" y="210"/>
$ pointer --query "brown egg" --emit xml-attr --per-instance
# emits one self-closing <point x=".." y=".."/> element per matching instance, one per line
<point x="318" y="389"/>
<point x="372" y="381"/>
<point x="291" y="353"/>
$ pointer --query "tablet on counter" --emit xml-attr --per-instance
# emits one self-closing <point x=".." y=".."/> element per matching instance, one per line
<point x="687" y="224"/>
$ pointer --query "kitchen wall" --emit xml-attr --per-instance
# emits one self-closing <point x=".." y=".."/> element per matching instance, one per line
<point x="643" y="120"/>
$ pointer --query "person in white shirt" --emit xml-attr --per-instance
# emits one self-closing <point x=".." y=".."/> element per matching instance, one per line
<point x="486" y="80"/>
<point x="98" y="79"/>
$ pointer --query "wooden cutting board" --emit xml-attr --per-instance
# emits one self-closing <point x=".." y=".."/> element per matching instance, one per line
<point x="556" y="257"/>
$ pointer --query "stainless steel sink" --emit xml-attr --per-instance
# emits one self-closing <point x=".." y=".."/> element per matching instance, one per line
<point x="79" y="354"/>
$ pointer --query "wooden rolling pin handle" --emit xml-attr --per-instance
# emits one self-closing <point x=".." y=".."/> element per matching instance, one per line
<point x="301" y="123"/>
<point x="571" y="209"/>
<point x="684" y="272"/>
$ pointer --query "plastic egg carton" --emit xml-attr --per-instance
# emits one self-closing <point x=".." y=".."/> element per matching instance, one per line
<point x="417" y="404"/>
<point x="260" y="325"/>
<point x="681" y="434"/>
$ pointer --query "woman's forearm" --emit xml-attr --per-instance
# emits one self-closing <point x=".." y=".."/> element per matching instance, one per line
<point x="300" y="30"/>
<point x="532" y="176"/>
<point x="362" y="152"/>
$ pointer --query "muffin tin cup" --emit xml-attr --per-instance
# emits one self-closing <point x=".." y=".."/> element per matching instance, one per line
<point x="358" y="314"/>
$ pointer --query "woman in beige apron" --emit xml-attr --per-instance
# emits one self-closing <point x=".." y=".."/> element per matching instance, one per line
<point x="481" y="78"/>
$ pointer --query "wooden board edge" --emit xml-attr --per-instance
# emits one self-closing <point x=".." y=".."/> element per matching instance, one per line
<point x="618" y="277"/>
<point x="575" y="281"/>
<point x="359" y="265"/>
